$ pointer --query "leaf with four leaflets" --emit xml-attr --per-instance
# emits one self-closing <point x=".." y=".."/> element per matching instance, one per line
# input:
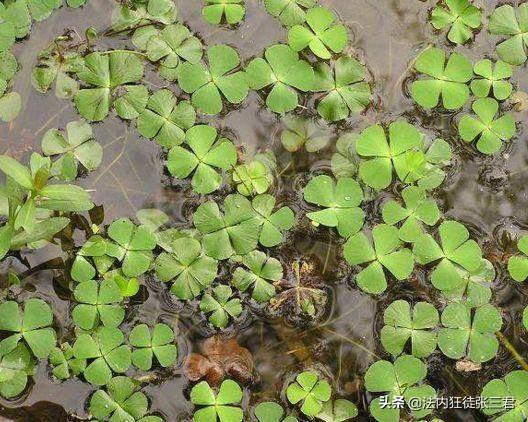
<point x="489" y="131"/>
<point x="205" y="155"/>
<point x="64" y="362"/>
<point x="460" y="16"/>
<point x="508" y="22"/>
<point x="448" y="81"/>
<point x="518" y="264"/>
<point x="340" y="201"/>
<point x="301" y="131"/>
<point x="310" y="391"/>
<point x="273" y="223"/>
<point x="282" y="69"/>
<point x="215" y="10"/>
<point x="339" y="410"/>
<point x="221" y="305"/>
<point x="159" y="343"/>
<point x="514" y="386"/>
<point x="469" y="336"/>
<point x="253" y="178"/>
<point x="206" y="83"/>
<point x="493" y="79"/>
<point x="15" y="366"/>
<point x="386" y="253"/>
<point x="289" y="12"/>
<point x="223" y="405"/>
<point x="321" y="35"/>
<point x="143" y="12"/>
<point x="345" y="161"/>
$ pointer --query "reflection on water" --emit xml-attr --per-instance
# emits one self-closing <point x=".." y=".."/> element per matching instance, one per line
<point x="489" y="194"/>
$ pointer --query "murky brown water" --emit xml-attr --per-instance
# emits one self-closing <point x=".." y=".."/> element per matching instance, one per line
<point x="488" y="194"/>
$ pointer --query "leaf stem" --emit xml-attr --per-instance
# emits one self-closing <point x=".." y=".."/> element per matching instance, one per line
<point x="125" y="51"/>
<point x="512" y="350"/>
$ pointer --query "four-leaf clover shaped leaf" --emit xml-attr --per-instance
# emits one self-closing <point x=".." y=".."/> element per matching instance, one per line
<point x="498" y="391"/>
<point x="518" y="264"/>
<point x="106" y="353"/>
<point x="282" y="69"/>
<point x="189" y="270"/>
<point x="418" y="209"/>
<point x="310" y="391"/>
<point x="457" y="250"/>
<point x="262" y="271"/>
<point x="253" y="178"/>
<point x="448" y="81"/>
<point x="15" y="366"/>
<point x="102" y="74"/>
<point x="99" y="301"/>
<point x="159" y="343"/>
<point x="235" y="231"/>
<point x="223" y="406"/>
<point x="205" y="83"/>
<point x="489" y="131"/>
<point x="165" y="120"/>
<point x="401" y="325"/>
<point x="320" y="34"/>
<point x="233" y="10"/>
<point x="493" y="79"/>
<point x="77" y="146"/>
<point x="65" y="363"/>
<point x="505" y="21"/>
<point x="136" y="245"/>
<point x="32" y="324"/>
<point x="273" y="223"/>
<point x="300" y="131"/>
<point x="206" y="154"/>
<point x="470" y="333"/>
<point x="221" y="305"/>
<point x="340" y="201"/>
<point x="386" y="253"/>
<point x="289" y="12"/>
<point x="343" y="81"/>
<point x="461" y="16"/>
<point x="398" y="379"/>
<point x="372" y="143"/>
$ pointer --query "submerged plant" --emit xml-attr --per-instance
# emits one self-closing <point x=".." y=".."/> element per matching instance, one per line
<point x="220" y="305"/>
<point x="302" y="132"/>
<point x="345" y="161"/>
<point x="274" y="223"/>
<point x="512" y="24"/>
<point x="460" y="16"/>
<point x="253" y="178"/>
<point x="208" y="83"/>
<point x="385" y="251"/>
<point x="518" y="264"/>
<point x="490" y="132"/>
<point x="447" y="80"/>
<point x="320" y="34"/>
<point x="215" y="10"/>
<point x="147" y="344"/>
<point x="493" y="79"/>
<point x="310" y="391"/>
<point x="340" y="202"/>
<point x="223" y="406"/>
<point x="401" y="325"/>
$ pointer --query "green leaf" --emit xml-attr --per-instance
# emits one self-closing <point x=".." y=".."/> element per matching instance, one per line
<point x="518" y="264"/>
<point x="338" y="411"/>
<point x="302" y="132"/>
<point x="215" y="11"/>
<point x="223" y="405"/>
<point x="220" y="305"/>
<point x="513" y="388"/>
<point x="253" y="178"/>
<point x="274" y="223"/>
<point x="511" y="24"/>
<point x="289" y="12"/>
<point x="13" y="169"/>
<point x="493" y="79"/>
<point x="460" y="16"/>
<point x="310" y="392"/>
<point x="159" y="344"/>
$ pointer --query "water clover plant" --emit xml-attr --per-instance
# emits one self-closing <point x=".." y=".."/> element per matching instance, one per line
<point x="215" y="10"/>
<point x="518" y="264"/>
<point x="340" y="201"/>
<point x="385" y="251"/>
<point x="289" y="12"/>
<point x="234" y="231"/>
<point x="274" y="223"/>
<point x="447" y="80"/>
<point x="346" y="92"/>
<point x="418" y="210"/>
<point x="404" y="378"/>
<point x="310" y="392"/>
<point x="120" y="402"/>
<point x="64" y="362"/>
<point x="105" y="353"/>
<point x="135" y="246"/>
<point x="270" y="411"/>
<point x="102" y="75"/>
<point x="221" y="305"/>
<point x="339" y="410"/>
<point x="205" y="155"/>
<point x="165" y="120"/>
<point x="372" y="143"/>
<point x="320" y="34"/>
<point x="513" y="386"/>
<point x="207" y="83"/>
<point x="303" y="132"/>
<point x="138" y="13"/>
<point x="461" y="16"/>
<point x="147" y="344"/>
<point x="469" y="333"/>
<point x="345" y="161"/>
<point x="74" y="147"/>
<point x="185" y="265"/>
<point x="262" y="271"/>
<point x="512" y="24"/>
<point x="253" y="178"/>
<point x="169" y="47"/>
<point x="98" y="302"/>
<point x="30" y="325"/>
<point x="489" y="130"/>
<point x="15" y="367"/>
<point x="402" y="324"/>
<point x="282" y="69"/>
<point x="457" y="250"/>
<point x="493" y="79"/>
<point x="222" y="406"/>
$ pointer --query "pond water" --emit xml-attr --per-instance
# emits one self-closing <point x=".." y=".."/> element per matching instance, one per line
<point x="487" y="194"/>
